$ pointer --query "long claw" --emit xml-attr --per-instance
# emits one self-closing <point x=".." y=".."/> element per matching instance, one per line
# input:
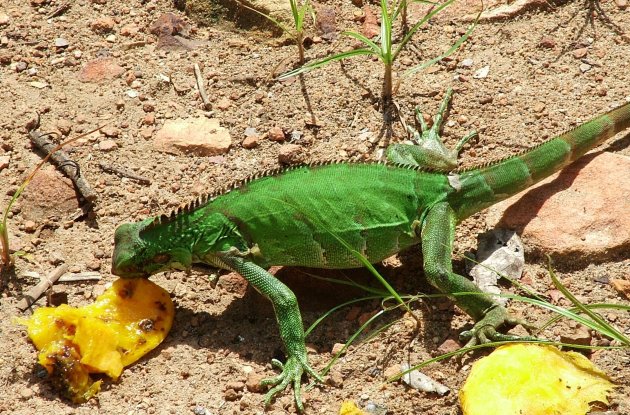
<point x="423" y="125"/>
<point x="485" y="330"/>
<point x="292" y="371"/>
<point x="462" y="141"/>
<point x="439" y="117"/>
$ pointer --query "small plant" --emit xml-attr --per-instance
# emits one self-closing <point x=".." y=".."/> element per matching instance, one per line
<point x="383" y="47"/>
<point x="299" y="13"/>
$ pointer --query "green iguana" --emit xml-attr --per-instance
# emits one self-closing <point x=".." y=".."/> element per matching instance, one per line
<point x="297" y="216"/>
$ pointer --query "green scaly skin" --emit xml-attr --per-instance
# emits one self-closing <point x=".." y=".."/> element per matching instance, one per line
<point x="295" y="216"/>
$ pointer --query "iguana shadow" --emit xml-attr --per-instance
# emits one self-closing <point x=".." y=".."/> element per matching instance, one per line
<point x="247" y="327"/>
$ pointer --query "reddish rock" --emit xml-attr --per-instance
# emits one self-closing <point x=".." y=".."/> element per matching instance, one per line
<point x="200" y="136"/>
<point x="149" y="119"/>
<point x="110" y="131"/>
<point x="449" y="345"/>
<point x="233" y="283"/>
<point x="582" y="210"/>
<point x="107" y="145"/>
<point x="547" y="42"/>
<point x="291" y="154"/>
<point x="48" y="194"/>
<point x="276" y="134"/>
<point x="253" y="382"/>
<point x="621" y="286"/>
<point x="4" y="162"/>
<point x="251" y="141"/>
<point x="99" y="70"/>
<point x="129" y="30"/>
<point x="103" y="25"/>
<point x="223" y="104"/>
<point x="580" y="53"/>
<point x="371" y="27"/>
<point x="168" y="24"/>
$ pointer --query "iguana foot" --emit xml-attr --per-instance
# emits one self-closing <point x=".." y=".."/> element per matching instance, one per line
<point x="429" y="150"/>
<point x="291" y="373"/>
<point x="485" y="330"/>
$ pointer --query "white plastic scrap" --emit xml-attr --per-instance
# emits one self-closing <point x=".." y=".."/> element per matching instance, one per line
<point x="499" y="252"/>
<point x="422" y="382"/>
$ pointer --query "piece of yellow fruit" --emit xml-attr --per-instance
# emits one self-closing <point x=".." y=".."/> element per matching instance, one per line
<point x="127" y="321"/>
<point x="533" y="379"/>
<point x="350" y="408"/>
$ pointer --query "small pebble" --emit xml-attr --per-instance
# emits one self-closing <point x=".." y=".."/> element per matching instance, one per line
<point x="482" y="72"/>
<point x="26" y="393"/>
<point x="291" y="154"/>
<point x="276" y="134"/>
<point x="547" y="42"/>
<point x="230" y="395"/>
<point x="253" y="382"/>
<point x="107" y="145"/>
<point x="337" y="347"/>
<point x="30" y="226"/>
<point x="61" y="43"/>
<point x="580" y="53"/>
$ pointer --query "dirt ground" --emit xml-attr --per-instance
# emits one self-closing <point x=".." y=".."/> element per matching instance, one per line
<point x="549" y="68"/>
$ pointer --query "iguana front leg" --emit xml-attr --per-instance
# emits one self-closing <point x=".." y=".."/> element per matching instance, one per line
<point x="289" y="320"/>
<point x="430" y="151"/>
<point x="437" y="234"/>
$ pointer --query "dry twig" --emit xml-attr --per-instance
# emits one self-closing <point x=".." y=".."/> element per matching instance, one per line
<point x="37" y="291"/>
<point x="60" y="10"/>
<point x="122" y="172"/>
<point x="201" y="88"/>
<point x="67" y="165"/>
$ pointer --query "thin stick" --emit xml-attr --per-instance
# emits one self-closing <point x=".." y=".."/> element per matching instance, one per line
<point x="67" y="165"/>
<point x="37" y="291"/>
<point x="200" y="87"/>
<point x="60" y="10"/>
<point x="122" y="172"/>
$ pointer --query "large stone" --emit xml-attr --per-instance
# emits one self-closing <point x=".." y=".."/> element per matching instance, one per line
<point x="581" y="211"/>
<point x="100" y="69"/>
<point x="48" y="194"/>
<point x="199" y="136"/>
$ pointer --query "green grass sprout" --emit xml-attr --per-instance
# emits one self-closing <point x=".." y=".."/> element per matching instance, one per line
<point x="383" y="47"/>
<point x="299" y="13"/>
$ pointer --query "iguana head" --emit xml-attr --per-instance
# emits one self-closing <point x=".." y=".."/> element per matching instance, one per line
<point x="140" y="253"/>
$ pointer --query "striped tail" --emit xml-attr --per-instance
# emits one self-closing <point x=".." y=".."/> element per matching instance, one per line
<point x="483" y="186"/>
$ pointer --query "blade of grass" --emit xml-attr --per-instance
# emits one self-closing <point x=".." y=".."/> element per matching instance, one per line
<point x="452" y="49"/>
<point x="317" y="64"/>
<point x="350" y="341"/>
<point x="491" y="344"/>
<point x="596" y="306"/>
<point x="332" y="310"/>
<point x="613" y="332"/>
<point x="417" y="26"/>
<point x="371" y="44"/>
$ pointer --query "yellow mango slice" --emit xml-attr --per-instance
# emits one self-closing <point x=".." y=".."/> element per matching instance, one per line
<point x="126" y="322"/>
<point x="350" y="408"/>
<point x="533" y="379"/>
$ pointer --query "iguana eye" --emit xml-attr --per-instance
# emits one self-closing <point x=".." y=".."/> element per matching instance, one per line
<point x="161" y="258"/>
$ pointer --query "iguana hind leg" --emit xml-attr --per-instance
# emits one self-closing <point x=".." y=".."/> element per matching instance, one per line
<point x="290" y="322"/>
<point x="430" y="151"/>
<point x="438" y="231"/>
